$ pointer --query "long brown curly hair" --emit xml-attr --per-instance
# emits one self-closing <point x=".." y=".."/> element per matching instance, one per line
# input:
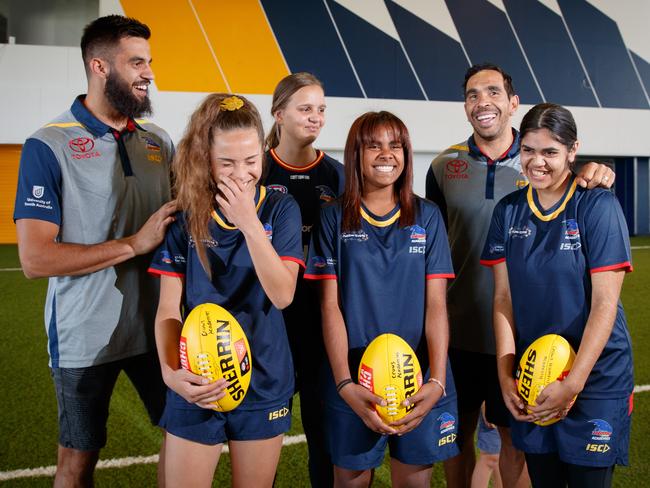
<point x="194" y="187"/>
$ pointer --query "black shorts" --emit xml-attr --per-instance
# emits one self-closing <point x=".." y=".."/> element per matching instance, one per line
<point x="477" y="381"/>
<point x="83" y="396"/>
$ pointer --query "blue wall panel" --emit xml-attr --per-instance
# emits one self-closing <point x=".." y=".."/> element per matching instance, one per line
<point x="643" y="67"/>
<point x="438" y="59"/>
<point x="624" y="188"/>
<point x="309" y="42"/>
<point x="642" y="196"/>
<point x="605" y="56"/>
<point x="487" y="37"/>
<point x="550" y="53"/>
<point x="378" y="58"/>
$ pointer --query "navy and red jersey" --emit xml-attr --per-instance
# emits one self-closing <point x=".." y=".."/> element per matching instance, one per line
<point x="551" y="255"/>
<point x="319" y="182"/>
<point x="381" y="270"/>
<point x="235" y="286"/>
<point x="313" y="185"/>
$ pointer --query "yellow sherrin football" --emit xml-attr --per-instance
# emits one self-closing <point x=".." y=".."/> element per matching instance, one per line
<point x="214" y="345"/>
<point x="389" y="368"/>
<point x="546" y="360"/>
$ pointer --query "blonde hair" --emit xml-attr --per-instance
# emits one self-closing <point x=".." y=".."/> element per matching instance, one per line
<point x="282" y="94"/>
<point x="194" y="187"/>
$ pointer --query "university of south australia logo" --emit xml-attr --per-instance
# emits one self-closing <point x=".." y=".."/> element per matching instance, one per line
<point x="38" y="191"/>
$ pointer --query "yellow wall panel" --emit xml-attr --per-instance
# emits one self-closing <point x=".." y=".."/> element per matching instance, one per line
<point x="182" y="57"/>
<point x="9" y="160"/>
<point x="244" y="44"/>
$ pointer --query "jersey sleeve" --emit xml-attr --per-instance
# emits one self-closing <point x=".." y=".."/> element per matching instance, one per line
<point x="171" y="256"/>
<point x="38" y="195"/>
<point x="341" y="183"/>
<point x="495" y="243"/>
<point x="437" y="256"/>
<point x="434" y="193"/>
<point x="606" y="240"/>
<point x="322" y="258"/>
<point x="287" y="232"/>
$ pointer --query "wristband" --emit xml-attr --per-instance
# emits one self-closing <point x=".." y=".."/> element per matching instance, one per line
<point x="437" y="382"/>
<point x="342" y="384"/>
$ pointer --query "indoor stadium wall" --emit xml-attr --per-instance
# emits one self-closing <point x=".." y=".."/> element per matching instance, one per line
<point x="405" y="56"/>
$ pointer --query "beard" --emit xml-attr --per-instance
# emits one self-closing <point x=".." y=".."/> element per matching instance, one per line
<point x="119" y="94"/>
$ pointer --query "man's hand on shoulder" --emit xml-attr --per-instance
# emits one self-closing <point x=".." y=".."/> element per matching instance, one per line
<point x="594" y="175"/>
<point x="41" y="255"/>
<point x="152" y="232"/>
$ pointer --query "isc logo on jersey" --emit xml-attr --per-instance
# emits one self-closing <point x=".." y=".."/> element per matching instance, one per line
<point x="447" y="429"/>
<point x="278" y="414"/>
<point x="601" y="433"/>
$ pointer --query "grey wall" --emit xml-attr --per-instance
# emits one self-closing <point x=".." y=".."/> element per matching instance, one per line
<point x="48" y="22"/>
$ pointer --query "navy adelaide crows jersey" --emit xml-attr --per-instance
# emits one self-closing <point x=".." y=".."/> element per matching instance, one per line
<point x="381" y="271"/>
<point x="550" y="257"/>
<point x="235" y="287"/>
<point x="319" y="182"/>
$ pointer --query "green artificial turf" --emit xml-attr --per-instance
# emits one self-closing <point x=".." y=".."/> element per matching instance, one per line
<point x="28" y="432"/>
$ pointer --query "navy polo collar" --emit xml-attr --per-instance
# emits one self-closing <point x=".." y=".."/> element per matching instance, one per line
<point x="92" y="123"/>
<point x="511" y="152"/>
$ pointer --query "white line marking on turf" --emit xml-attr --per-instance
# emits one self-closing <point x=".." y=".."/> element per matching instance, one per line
<point x="634" y="248"/>
<point x="135" y="460"/>
<point x="116" y="463"/>
<point x="11" y="269"/>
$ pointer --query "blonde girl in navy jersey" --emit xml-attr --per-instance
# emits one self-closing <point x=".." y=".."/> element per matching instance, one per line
<point x="382" y="256"/>
<point x="313" y="178"/>
<point x="238" y="245"/>
<point x="559" y="255"/>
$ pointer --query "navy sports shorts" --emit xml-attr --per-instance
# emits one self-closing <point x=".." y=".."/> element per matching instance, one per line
<point x="205" y="426"/>
<point x="354" y="446"/>
<point x="477" y="381"/>
<point x="488" y="439"/>
<point x="596" y="432"/>
<point x="83" y="396"/>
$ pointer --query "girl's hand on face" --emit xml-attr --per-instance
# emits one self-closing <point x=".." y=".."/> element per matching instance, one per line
<point x="363" y="402"/>
<point x="424" y="400"/>
<point x="196" y="389"/>
<point x="554" y="401"/>
<point x="237" y="202"/>
<point x="514" y="402"/>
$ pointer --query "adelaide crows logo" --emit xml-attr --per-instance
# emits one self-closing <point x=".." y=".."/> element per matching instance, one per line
<point x="572" y="231"/>
<point x="602" y="430"/>
<point x="418" y="234"/>
<point x="447" y="422"/>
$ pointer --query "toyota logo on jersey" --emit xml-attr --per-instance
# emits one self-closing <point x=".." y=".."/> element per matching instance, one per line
<point x="81" y="144"/>
<point x="457" y="169"/>
<point x="457" y="166"/>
